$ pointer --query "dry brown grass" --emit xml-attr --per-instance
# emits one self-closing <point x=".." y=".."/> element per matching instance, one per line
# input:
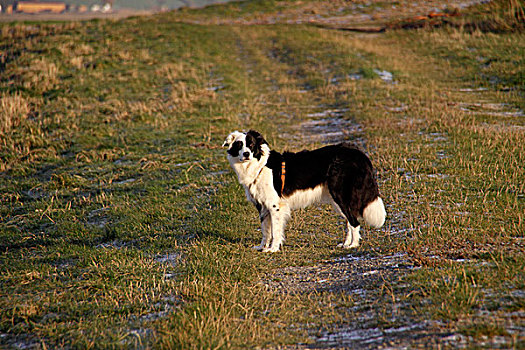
<point x="40" y="74"/>
<point x="14" y="110"/>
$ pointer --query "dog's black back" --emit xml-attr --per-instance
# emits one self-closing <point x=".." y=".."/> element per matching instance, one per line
<point x="345" y="169"/>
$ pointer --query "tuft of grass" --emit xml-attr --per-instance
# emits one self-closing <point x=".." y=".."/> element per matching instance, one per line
<point x="368" y="73"/>
<point x="14" y="111"/>
<point x="478" y="330"/>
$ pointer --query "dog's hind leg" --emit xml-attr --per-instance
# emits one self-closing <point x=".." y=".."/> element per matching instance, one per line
<point x="352" y="236"/>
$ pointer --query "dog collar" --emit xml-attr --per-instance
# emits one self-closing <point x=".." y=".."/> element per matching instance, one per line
<point x="283" y="175"/>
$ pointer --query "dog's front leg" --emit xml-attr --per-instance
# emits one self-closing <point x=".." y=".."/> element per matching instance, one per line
<point x="266" y="228"/>
<point x="278" y="216"/>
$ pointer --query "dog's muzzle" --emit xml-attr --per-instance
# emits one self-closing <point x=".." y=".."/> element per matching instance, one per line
<point x="245" y="156"/>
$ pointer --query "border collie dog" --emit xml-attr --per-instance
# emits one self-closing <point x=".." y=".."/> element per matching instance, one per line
<point x="278" y="183"/>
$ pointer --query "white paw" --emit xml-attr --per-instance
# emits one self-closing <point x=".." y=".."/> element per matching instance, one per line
<point x="270" y="250"/>
<point x="347" y="246"/>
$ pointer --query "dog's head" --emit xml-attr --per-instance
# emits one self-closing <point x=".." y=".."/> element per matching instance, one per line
<point x="243" y="147"/>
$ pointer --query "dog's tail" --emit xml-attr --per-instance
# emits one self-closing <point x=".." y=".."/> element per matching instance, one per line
<point x="374" y="213"/>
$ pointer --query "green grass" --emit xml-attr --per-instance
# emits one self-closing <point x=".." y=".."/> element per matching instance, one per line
<point x="123" y="226"/>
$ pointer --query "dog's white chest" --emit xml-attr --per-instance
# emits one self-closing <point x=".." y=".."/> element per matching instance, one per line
<point x="261" y="189"/>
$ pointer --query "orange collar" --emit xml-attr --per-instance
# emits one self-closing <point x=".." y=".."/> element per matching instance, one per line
<point x="283" y="175"/>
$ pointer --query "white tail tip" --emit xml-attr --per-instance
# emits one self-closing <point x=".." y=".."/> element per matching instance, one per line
<point x="374" y="213"/>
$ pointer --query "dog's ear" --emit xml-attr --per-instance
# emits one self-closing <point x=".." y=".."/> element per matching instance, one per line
<point x="259" y="139"/>
<point x="231" y="137"/>
<point x="258" y="143"/>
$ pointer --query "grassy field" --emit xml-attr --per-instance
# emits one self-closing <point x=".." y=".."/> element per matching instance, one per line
<point x="121" y="224"/>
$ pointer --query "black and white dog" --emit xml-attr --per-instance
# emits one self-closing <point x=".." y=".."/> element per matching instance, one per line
<point x="278" y="183"/>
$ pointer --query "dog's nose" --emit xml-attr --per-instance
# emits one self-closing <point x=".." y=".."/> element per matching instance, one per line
<point x="246" y="154"/>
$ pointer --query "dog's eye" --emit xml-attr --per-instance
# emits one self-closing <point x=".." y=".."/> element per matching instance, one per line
<point x="235" y="148"/>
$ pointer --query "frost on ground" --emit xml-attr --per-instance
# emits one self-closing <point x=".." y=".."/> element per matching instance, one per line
<point x="380" y="314"/>
<point x="377" y="316"/>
